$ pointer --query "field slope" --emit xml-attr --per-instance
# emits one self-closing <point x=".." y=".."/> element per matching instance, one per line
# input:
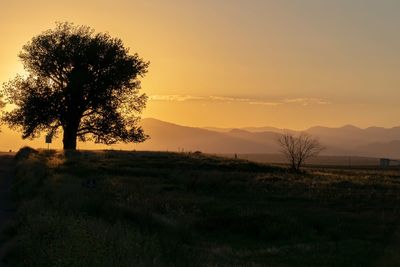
<point x="109" y="208"/>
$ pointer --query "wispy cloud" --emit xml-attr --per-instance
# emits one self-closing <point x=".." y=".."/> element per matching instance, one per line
<point x="307" y="101"/>
<point x="232" y="99"/>
<point x="179" y="98"/>
<point x="265" y="103"/>
<point x="228" y="99"/>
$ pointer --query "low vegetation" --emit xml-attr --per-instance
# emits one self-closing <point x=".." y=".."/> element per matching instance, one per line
<point x="111" y="208"/>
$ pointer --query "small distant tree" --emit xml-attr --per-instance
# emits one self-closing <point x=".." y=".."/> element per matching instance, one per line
<point x="82" y="82"/>
<point x="298" y="149"/>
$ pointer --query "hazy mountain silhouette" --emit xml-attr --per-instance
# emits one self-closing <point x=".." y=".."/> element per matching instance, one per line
<point x="263" y="129"/>
<point x="389" y="149"/>
<point x="346" y="140"/>
<point x="169" y="136"/>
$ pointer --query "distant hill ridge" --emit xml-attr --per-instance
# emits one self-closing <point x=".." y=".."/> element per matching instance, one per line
<point x="165" y="136"/>
<point x="346" y="140"/>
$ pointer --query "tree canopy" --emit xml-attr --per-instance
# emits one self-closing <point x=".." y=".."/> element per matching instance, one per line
<point x="82" y="82"/>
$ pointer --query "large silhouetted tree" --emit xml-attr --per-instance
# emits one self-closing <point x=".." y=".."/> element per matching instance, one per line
<point x="82" y="82"/>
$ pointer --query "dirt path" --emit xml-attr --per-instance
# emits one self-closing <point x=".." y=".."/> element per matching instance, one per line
<point x="7" y="209"/>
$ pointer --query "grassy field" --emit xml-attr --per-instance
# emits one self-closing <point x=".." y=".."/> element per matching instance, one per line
<point x="321" y="160"/>
<point x="111" y="208"/>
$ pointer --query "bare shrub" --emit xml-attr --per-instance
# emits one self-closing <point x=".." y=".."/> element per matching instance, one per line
<point x="298" y="149"/>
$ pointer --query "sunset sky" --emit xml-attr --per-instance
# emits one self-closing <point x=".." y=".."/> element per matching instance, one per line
<point x="282" y="63"/>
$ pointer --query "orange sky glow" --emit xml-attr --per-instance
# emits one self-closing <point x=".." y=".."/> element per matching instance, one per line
<point x="289" y="64"/>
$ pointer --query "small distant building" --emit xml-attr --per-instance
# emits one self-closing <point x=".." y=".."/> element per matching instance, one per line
<point x="384" y="163"/>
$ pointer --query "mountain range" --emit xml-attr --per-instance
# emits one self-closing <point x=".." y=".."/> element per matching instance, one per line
<point x="164" y="136"/>
<point x="344" y="141"/>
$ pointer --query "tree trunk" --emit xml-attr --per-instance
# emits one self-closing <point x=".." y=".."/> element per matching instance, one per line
<point x="69" y="138"/>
